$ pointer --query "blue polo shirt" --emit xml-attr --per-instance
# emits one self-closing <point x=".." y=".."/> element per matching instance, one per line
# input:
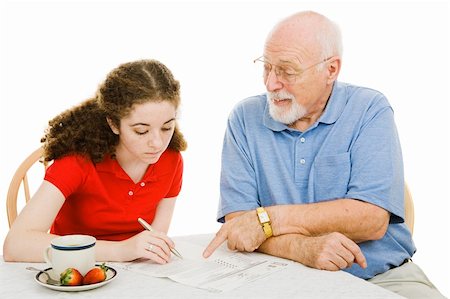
<point x="352" y="151"/>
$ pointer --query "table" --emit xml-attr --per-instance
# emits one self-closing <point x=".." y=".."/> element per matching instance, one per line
<point x="297" y="281"/>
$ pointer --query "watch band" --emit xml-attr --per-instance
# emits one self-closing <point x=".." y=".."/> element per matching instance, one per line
<point x="265" y="221"/>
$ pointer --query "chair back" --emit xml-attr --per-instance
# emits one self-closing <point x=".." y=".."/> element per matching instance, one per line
<point x="409" y="209"/>
<point x="20" y="178"/>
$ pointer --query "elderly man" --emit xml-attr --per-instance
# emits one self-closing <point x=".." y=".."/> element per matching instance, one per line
<point x="312" y="170"/>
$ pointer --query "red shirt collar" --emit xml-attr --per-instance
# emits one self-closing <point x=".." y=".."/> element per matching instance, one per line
<point x="111" y="165"/>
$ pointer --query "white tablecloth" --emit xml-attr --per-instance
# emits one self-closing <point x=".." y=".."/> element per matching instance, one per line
<point x="296" y="281"/>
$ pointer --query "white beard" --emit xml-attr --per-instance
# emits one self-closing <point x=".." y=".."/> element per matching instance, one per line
<point x="288" y="115"/>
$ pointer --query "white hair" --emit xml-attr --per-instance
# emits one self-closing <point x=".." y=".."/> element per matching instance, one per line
<point x="330" y="41"/>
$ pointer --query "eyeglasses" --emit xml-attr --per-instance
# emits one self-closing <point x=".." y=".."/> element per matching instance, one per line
<point x="285" y="74"/>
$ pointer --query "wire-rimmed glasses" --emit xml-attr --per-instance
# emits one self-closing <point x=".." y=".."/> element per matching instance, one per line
<point x="286" y="74"/>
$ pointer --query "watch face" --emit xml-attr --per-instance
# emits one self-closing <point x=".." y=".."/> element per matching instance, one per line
<point x="263" y="217"/>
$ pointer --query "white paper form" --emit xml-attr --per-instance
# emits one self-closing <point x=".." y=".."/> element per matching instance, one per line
<point x="224" y="270"/>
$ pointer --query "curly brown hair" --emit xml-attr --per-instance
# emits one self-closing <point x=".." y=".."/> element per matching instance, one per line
<point x="84" y="129"/>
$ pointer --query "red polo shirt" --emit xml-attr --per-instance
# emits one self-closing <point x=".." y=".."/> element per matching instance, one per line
<point x="102" y="200"/>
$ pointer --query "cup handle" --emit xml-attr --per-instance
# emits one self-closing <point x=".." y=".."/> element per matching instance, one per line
<point x="46" y="256"/>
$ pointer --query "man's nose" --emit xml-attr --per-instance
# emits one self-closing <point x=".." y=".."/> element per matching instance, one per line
<point x="272" y="83"/>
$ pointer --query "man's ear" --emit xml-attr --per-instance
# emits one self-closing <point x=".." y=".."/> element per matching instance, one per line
<point x="112" y="126"/>
<point x="334" y="66"/>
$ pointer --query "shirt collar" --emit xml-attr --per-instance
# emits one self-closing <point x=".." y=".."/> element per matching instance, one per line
<point x="335" y="105"/>
<point x="333" y="110"/>
<point x="110" y="165"/>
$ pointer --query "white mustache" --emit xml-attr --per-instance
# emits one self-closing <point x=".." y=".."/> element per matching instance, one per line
<point x="280" y="95"/>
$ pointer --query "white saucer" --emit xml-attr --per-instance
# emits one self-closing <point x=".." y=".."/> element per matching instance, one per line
<point x="41" y="279"/>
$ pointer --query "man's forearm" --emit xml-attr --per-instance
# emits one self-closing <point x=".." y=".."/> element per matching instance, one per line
<point x="282" y="246"/>
<point x="331" y="251"/>
<point x="360" y="221"/>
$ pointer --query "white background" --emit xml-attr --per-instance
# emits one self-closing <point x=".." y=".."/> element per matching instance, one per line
<point x="55" y="53"/>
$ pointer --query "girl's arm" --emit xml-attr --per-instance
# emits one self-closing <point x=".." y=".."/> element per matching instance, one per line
<point x="164" y="213"/>
<point x="28" y="236"/>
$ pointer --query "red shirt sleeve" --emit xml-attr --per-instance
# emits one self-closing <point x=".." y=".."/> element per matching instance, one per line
<point x="68" y="173"/>
<point x="178" y="177"/>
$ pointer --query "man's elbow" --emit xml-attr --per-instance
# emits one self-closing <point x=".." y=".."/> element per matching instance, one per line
<point x="380" y="225"/>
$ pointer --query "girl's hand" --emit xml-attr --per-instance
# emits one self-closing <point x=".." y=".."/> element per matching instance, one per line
<point x="153" y="245"/>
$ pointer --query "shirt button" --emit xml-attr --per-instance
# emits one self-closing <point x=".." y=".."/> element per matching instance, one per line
<point x="130" y="193"/>
<point x="302" y="161"/>
<point x="302" y="140"/>
<point x="142" y="184"/>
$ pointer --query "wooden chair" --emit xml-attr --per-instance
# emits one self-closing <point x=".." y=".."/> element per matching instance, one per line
<point x="20" y="178"/>
<point x="409" y="209"/>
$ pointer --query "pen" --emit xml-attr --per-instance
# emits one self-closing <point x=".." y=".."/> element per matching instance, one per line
<point x="150" y="228"/>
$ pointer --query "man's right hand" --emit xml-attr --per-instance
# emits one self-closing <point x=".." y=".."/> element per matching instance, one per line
<point x="242" y="231"/>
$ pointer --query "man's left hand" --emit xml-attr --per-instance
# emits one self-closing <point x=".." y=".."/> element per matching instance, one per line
<point x="244" y="233"/>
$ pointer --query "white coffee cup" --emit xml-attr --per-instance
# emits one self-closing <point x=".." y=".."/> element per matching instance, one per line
<point x="70" y="251"/>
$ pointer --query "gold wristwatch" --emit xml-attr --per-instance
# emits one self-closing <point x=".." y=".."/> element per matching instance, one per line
<point x="265" y="221"/>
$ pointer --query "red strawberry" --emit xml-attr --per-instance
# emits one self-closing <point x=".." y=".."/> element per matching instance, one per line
<point x="71" y="277"/>
<point x="97" y="274"/>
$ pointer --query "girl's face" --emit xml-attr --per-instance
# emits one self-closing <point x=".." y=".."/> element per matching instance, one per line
<point x="146" y="132"/>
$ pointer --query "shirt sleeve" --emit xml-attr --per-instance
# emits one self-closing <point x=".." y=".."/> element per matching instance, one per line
<point x="377" y="164"/>
<point x="67" y="173"/>
<point x="238" y="190"/>
<point x="177" y="178"/>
